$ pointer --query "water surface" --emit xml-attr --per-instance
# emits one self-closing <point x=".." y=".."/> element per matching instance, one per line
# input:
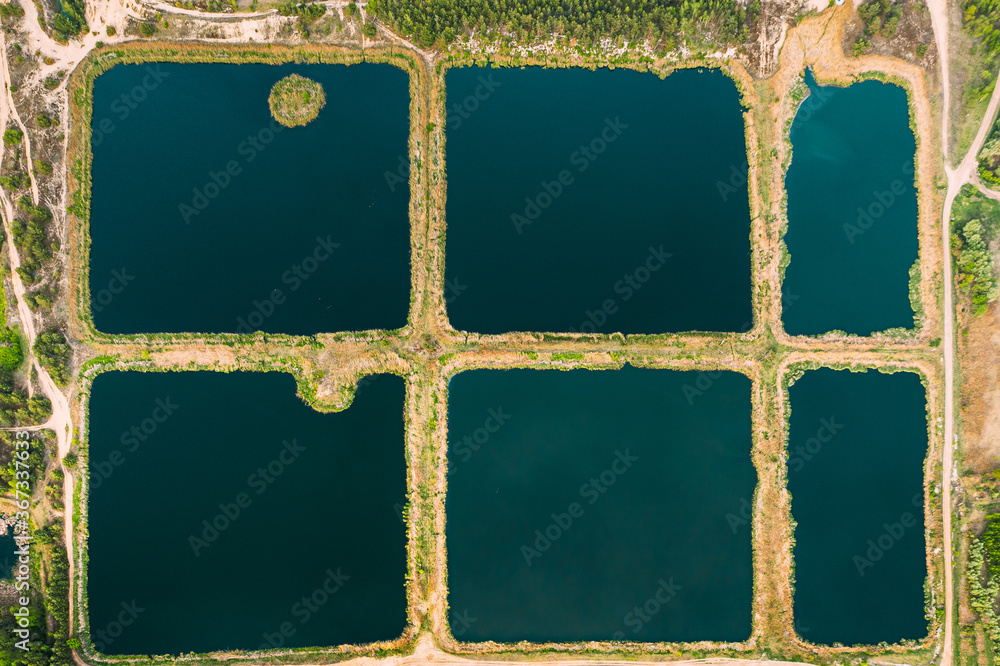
<point x="852" y="211"/>
<point x="857" y="445"/>
<point x="599" y="505"/>
<point x="203" y="206"/>
<point x="596" y="201"/>
<point x="226" y="514"/>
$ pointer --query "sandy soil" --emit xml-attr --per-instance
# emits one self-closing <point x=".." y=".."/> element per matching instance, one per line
<point x="60" y="422"/>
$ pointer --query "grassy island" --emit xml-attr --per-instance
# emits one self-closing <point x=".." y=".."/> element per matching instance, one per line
<point x="296" y="100"/>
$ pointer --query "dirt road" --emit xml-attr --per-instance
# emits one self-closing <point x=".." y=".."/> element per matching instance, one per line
<point x="60" y="422"/>
<point x="964" y="173"/>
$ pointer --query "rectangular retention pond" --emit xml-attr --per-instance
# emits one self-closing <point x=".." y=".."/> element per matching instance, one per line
<point x="852" y="211"/>
<point x="209" y="216"/>
<point x="590" y="505"/>
<point x="596" y="201"/>
<point x="856" y="449"/>
<point x="227" y="514"/>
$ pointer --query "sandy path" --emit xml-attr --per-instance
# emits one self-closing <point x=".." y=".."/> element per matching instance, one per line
<point x="958" y="177"/>
<point x="939" y="23"/>
<point x="11" y="114"/>
<point x="60" y="421"/>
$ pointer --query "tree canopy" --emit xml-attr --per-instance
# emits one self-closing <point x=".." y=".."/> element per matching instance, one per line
<point x="665" y="23"/>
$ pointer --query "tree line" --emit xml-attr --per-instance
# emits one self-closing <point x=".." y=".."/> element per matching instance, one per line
<point x="665" y="23"/>
<point x="975" y="222"/>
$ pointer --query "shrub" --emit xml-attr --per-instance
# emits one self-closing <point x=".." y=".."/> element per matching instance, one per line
<point x="42" y="167"/>
<point x="111" y="31"/>
<point x="29" y="238"/>
<point x="12" y="136"/>
<point x="71" y="21"/>
<point x="10" y="350"/>
<point x="53" y="353"/>
<point x="369" y="30"/>
<point x="147" y="29"/>
<point x="40" y="301"/>
<point x="306" y="13"/>
<point x="43" y="120"/>
<point x="879" y="17"/>
<point x="15" y="181"/>
<point x="11" y="10"/>
<point x="975" y="269"/>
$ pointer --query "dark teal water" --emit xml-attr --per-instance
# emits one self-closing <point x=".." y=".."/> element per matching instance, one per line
<point x="315" y="555"/>
<point x="603" y="505"/>
<point x="857" y="444"/>
<point x="164" y="135"/>
<point x="618" y="168"/>
<point x="8" y="556"/>
<point x="852" y="211"/>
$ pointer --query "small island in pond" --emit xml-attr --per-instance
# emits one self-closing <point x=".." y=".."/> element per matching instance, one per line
<point x="296" y="100"/>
